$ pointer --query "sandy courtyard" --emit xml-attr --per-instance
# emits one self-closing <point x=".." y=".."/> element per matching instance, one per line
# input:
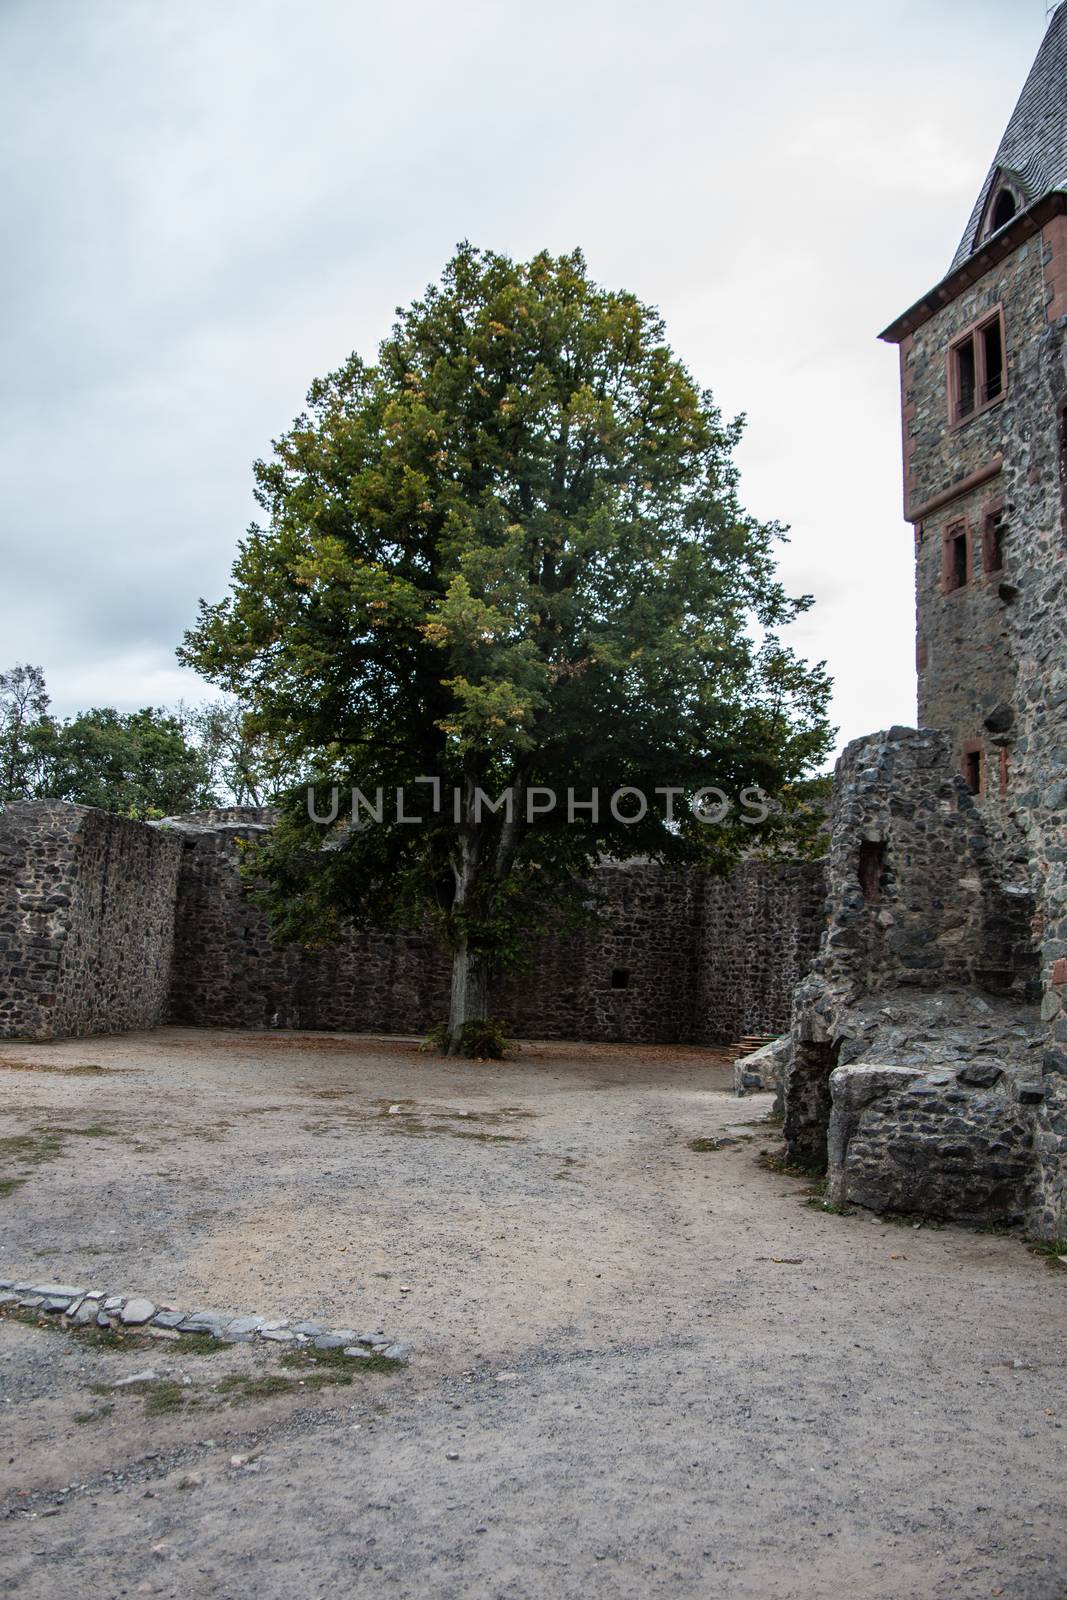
<point x="638" y="1369"/>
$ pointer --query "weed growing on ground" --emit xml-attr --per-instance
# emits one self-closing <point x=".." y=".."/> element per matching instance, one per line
<point x="775" y="1161"/>
<point x="82" y="1418"/>
<point x="1051" y="1249"/>
<point x="709" y="1146"/>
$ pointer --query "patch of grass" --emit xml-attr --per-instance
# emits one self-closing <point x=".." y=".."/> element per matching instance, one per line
<point x="1051" y="1249"/>
<point x="31" y="1149"/>
<point x="316" y="1363"/>
<point x="191" y="1344"/>
<point x="95" y="1130"/>
<point x="709" y="1146"/>
<point x="775" y="1161"/>
<point x="82" y="1069"/>
<point x="832" y="1208"/>
<point x="264" y="1386"/>
<point x="83" y="1418"/>
<point x="28" y="1150"/>
<point x="166" y="1396"/>
<point x="483" y="1138"/>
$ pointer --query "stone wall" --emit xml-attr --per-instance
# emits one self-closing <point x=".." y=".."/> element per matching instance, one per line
<point x="761" y="931"/>
<point x="920" y="911"/>
<point x="228" y="973"/>
<point x="86" y="921"/>
<point x="666" y="956"/>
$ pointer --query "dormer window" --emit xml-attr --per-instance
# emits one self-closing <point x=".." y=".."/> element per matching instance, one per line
<point x="977" y="370"/>
<point x="1006" y="200"/>
<point x="1004" y="208"/>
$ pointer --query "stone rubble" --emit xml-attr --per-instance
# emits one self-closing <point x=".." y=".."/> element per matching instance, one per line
<point x="77" y="1307"/>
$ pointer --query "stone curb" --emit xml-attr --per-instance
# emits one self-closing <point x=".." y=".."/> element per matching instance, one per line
<point x="78" y="1307"/>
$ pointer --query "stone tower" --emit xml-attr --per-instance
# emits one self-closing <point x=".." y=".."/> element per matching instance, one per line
<point x="984" y="396"/>
<point x="983" y="363"/>
<point x="919" y="1070"/>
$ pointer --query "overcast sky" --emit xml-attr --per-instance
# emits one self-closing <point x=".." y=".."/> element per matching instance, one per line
<point x="208" y="205"/>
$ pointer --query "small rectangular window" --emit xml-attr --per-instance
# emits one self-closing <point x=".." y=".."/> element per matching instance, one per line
<point x="993" y="360"/>
<point x="972" y="770"/>
<point x="966" y="378"/>
<point x="993" y="542"/>
<point x="956" y="566"/>
<point x="977" y="369"/>
<point x="871" y="866"/>
<point x="620" y="978"/>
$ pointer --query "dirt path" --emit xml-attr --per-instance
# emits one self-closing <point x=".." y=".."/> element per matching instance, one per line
<point x="639" y="1369"/>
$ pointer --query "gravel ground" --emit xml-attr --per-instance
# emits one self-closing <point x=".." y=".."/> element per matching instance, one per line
<point x="638" y="1369"/>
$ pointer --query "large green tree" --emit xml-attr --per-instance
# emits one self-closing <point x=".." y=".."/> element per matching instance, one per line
<point x="509" y="555"/>
<point x="136" y="763"/>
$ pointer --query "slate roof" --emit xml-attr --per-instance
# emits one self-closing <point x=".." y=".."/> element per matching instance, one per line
<point x="1033" y="150"/>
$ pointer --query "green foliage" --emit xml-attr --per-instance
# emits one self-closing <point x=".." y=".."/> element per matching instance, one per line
<point x="236" y="763"/>
<point x="510" y="554"/>
<point x="136" y="763"/>
<point x="483" y="1038"/>
<point x="23" y="715"/>
<point x="147" y="764"/>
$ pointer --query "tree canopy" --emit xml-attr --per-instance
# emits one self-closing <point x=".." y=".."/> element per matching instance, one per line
<point x="143" y="764"/>
<point x="509" y="555"/>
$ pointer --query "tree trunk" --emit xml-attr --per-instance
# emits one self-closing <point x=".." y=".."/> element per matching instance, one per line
<point x="470" y="992"/>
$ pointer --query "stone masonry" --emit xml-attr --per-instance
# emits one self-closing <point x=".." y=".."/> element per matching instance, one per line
<point x="122" y="925"/>
<point x="86" y="921"/>
<point x="928" y="1060"/>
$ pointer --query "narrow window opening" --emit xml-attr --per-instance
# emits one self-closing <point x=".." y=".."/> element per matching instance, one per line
<point x="1004" y="208"/>
<point x="972" y="770"/>
<point x="872" y="863"/>
<point x="993" y="542"/>
<point x="978" y="369"/>
<point x="620" y="978"/>
<point x="966" y="378"/>
<point x="956" y="563"/>
<point x="993" y="352"/>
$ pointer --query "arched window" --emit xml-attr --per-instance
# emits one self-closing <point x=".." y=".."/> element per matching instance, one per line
<point x="1004" y="208"/>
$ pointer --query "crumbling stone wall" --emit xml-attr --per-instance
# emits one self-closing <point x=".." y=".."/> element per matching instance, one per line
<point x="666" y="956"/>
<point x="86" y="921"/>
<point x="918" y="905"/>
<point x="761" y="931"/>
<point x="957" y="1145"/>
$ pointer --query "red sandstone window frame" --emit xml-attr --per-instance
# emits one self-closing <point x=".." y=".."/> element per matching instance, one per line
<point x="972" y="335"/>
<point x="951" y="581"/>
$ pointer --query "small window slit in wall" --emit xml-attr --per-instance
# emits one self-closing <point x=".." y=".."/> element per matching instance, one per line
<point x="871" y="866"/>
<point x="972" y="770"/>
<point x="620" y="977"/>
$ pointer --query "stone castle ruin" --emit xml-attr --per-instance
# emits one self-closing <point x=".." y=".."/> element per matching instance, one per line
<point x="918" y="977"/>
<point x="107" y="925"/>
<point x="927" y="1061"/>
